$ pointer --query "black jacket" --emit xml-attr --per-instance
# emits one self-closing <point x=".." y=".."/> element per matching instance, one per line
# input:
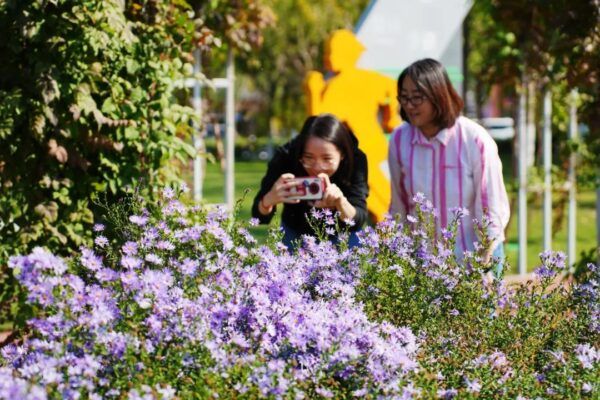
<point x="354" y="187"/>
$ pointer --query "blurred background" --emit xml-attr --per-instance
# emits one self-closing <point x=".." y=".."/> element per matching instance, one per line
<point x="99" y="99"/>
<point x="494" y="51"/>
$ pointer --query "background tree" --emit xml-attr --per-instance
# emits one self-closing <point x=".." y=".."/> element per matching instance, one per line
<point x="556" y="46"/>
<point x="293" y="46"/>
<point x="87" y="107"/>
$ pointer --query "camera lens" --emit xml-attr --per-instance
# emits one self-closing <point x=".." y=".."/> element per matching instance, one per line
<point x="314" y="188"/>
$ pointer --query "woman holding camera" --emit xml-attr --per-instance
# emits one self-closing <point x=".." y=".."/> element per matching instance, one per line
<point x="451" y="159"/>
<point x="327" y="149"/>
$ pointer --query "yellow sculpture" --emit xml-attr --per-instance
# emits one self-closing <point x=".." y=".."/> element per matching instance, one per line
<point x="366" y="101"/>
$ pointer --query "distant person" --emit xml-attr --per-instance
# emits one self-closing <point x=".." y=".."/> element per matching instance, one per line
<point x="325" y="148"/>
<point x="451" y="159"/>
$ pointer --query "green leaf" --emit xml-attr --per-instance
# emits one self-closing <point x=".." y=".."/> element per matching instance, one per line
<point x="108" y="106"/>
<point x="131" y="133"/>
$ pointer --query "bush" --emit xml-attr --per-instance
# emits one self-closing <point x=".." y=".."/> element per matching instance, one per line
<point x="181" y="302"/>
<point x="481" y="338"/>
<point x="85" y="109"/>
<point x="184" y="302"/>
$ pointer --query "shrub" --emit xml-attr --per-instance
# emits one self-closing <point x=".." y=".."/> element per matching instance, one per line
<point x="181" y="302"/>
<point x="85" y="108"/>
<point x="479" y="336"/>
<point x="185" y="302"/>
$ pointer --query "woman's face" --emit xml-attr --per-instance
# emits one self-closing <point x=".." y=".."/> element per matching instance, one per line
<point x="320" y="156"/>
<point x="418" y="107"/>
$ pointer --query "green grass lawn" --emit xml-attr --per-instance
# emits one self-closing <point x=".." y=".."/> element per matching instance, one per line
<point x="249" y="174"/>
<point x="247" y="177"/>
<point x="585" y="230"/>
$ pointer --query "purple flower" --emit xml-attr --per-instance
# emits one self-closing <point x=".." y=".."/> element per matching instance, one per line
<point x="101" y="241"/>
<point x="165" y="245"/>
<point x="130" y="248"/>
<point x="168" y="193"/>
<point x="459" y="212"/>
<point x="447" y="393"/>
<point x="543" y="272"/>
<point x="100" y="315"/>
<point x="316" y="213"/>
<point x="166" y="392"/>
<point x="90" y="260"/>
<point x="189" y="266"/>
<point x="473" y="386"/>
<point x="131" y="262"/>
<point x="153" y="259"/>
<point x="138" y="220"/>
<point x="98" y="228"/>
<point x="553" y="261"/>
<point x="587" y="355"/>
<point x="324" y="392"/>
<point x="39" y="260"/>
<point x="423" y="204"/>
<point x="130" y="280"/>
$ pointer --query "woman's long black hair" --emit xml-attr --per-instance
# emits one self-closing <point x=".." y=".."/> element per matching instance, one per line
<point x="329" y="128"/>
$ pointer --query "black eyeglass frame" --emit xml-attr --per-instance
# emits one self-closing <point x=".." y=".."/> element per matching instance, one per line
<point x="414" y="100"/>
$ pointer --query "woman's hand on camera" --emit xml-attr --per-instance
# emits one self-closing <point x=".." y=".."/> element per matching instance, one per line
<point x="332" y="197"/>
<point x="280" y="191"/>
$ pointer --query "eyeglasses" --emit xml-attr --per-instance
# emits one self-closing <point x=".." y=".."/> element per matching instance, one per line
<point x="414" y="100"/>
<point x="312" y="163"/>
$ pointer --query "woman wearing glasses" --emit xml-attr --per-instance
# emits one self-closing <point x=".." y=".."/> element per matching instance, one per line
<point x="326" y="148"/>
<point x="452" y="160"/>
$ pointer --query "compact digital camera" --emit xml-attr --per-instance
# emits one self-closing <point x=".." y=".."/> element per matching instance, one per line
<point x="307" y="188"/>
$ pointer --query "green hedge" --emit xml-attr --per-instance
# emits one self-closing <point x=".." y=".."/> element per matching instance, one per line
<point x="85" y="109"/>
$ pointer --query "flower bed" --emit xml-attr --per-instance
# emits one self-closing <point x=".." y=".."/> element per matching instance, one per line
<point x="182" y="303"/>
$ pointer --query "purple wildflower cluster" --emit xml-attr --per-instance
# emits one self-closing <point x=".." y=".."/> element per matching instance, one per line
<point x="588" y="292"/>
<point x="553" y="263"/>
<point x="189" y="305"/>
<point x="204" y="294"/>
<point x="462" y="314"/>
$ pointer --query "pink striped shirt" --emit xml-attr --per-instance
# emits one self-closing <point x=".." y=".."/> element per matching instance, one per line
<point x="459" y="167"/>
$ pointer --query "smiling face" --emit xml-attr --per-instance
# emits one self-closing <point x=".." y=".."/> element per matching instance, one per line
<point x="422" y="115"/>
<point x="320" y="156"/>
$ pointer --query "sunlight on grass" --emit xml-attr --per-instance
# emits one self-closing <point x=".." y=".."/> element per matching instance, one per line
<point x="247" y="177"/>
<point x="585" y="235"/>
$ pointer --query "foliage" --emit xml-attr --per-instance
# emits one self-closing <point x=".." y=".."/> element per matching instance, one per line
<point x="481" y="338"/>
<point x="239" y="24"/>
<point x="292" y="47"/>
<point x="183" y="303"/>
<point x="554" y="44"/>
<point x="87" y="107"/>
